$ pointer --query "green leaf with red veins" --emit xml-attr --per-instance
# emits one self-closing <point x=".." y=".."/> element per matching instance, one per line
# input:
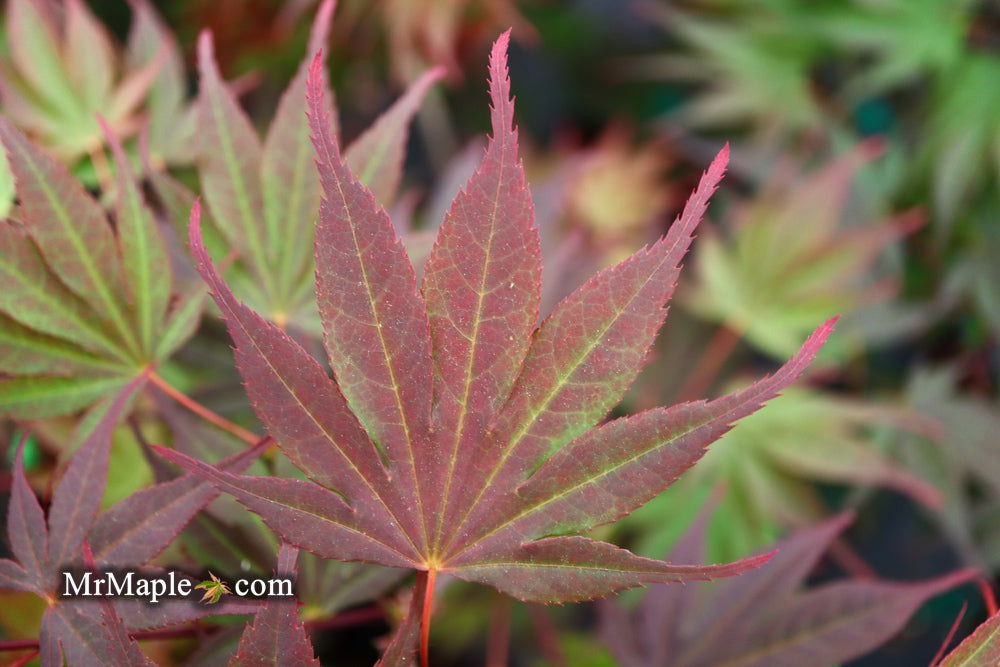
<point x="35" y="298"/>
<point x="229" y="165"/>
<point x="36" y="53"/>
<point x="24" y="351"/>
<point x="70" y="229"/>
<point x="276" y="635"/>
<point x="90" y="56"/>
<point x="289" y="179"/>
<point x="457" y="390"/>
<point x="377" y="155"/>
<point x="146" y="268"/>
<point x="482" y="284"/>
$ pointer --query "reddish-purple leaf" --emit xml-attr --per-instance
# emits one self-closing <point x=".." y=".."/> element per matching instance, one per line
<point x="78" y="496"/>
<point x="122" y="649"/>
<point x="482" y="285"/>
<point x="402" y="648"/>
<point x="139" y="615"/>
<point x="574" y="569"/>
<point x="456" y="401"/>
<point x="303" y="408"/>
<point x="619" y="466"/>
<point x="26" y="527"/>
<point x="584" y="356"/>
<point x="276" y="635"/>
<point x="72" y="633"/>
<point x="305" y="515"/>
<point x="377" y="334"/>
<point x="763" y="619"/>
<point x="118" y="648"/>
<point x="14" y="577"/>
<point x="139" y="527"/>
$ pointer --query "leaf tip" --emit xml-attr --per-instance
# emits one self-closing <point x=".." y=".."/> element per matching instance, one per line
<point x="499" y="77"/>
<point x="314" y="82"/>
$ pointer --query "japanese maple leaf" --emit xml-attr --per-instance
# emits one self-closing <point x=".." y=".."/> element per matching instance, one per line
<point x="263" y="194"/>
<point x="128" y="534"/>
<point x="87" y="300"/>
<point x="457" y="437"/>
<point x="63" y="67"/>
<point x="276" y="636"/>
<point x="764" y="618"/>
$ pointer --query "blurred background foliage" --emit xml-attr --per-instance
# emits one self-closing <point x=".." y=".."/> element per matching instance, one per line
<point x="866" y="165"/>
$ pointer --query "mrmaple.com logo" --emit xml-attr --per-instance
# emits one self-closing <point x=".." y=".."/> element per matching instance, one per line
<point x="166" y="586"/>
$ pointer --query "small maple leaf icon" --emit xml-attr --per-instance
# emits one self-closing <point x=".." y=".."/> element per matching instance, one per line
<point x="215" y="588"/>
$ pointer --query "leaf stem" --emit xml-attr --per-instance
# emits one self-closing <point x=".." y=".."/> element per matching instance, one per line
<point x="194" y="406"/>
<point x="426" y="579"/>
<point x="498" y="640"/>
<point x="705" y="371"/>
<point x="25" y="659"/>
<point x="546" y="634"/>
<point x="988" y="597"/>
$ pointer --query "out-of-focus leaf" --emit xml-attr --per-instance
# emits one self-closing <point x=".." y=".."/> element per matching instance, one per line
<point x="264" y="196"/>
<point x="83" y="302"/>
<point x="377" y="155"/>
<point x="764" y="617"/>
<point x="430" y="34"/>
<point x="967" y="451"/>
<point x="171" y="118"/>
<point x="904" y="39"/>
<point x="962" y="147"/>
<point x="64" y="69"/>
<point x="767" y="467"/>
<point x="789" y="260"/>
<point x="46" y="546"/>
<point x="746" y="66"/>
